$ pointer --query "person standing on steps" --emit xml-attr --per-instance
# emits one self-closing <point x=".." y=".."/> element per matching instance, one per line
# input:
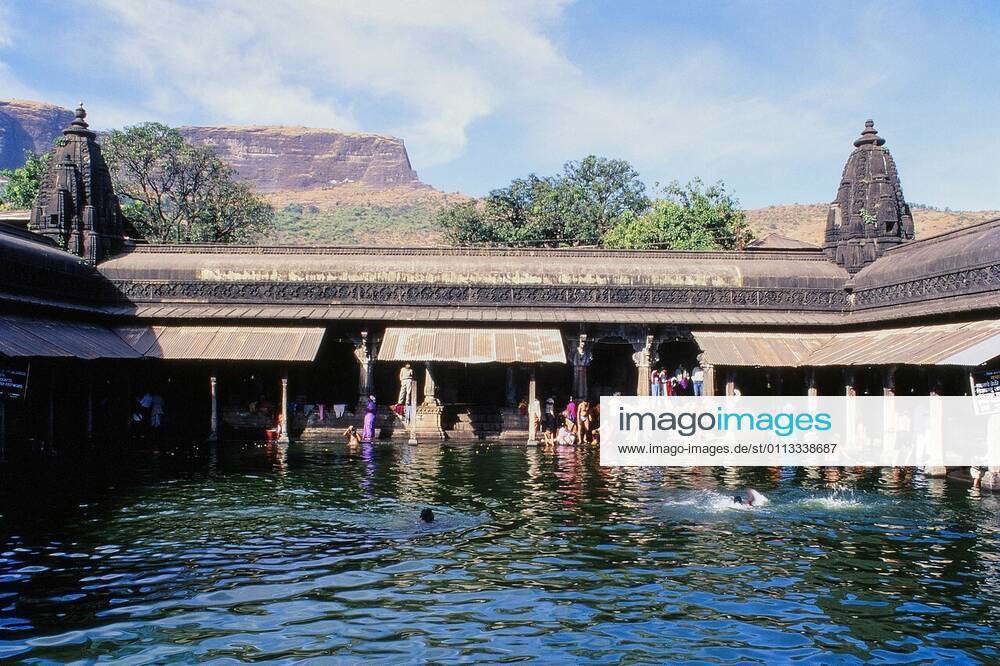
<point x="405" y="385"/>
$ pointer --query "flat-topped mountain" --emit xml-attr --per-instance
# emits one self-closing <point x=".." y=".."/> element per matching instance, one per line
<point x="26" y="125"/>
<point x="303" y="158"/>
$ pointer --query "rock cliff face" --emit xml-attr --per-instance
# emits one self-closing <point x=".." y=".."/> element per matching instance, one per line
<point x="28" y="125"/>
<point x="302" y="158"/>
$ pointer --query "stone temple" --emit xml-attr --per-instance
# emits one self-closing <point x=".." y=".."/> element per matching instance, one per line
<point x="99" y="314"/>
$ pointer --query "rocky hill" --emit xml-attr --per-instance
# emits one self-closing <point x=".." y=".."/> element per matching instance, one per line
<point x="302" y="158"/>
<point x="26" y="125"/>
<point x="807" y="222"/>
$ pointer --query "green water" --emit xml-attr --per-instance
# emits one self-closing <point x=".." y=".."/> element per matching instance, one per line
<point x="262" y="553"/>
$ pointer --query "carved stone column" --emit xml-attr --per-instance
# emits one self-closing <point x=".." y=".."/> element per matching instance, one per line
<point x="708" y="386"/>
<point x="284" y="408"/>
<point x="812" y="388"/>
<point x="213" y="433"/>
<point x="643" y="359"/>
<point x="533" y="413"/>
<point x="850" y="382"/>
<point x="889" y="380"/>
<point x="580" y="357"/>
<point x="90" y="408"/>
<point x="430" y="388"/>
<point x="364" y="352"/>
<point x="3" y="431"/>
<point x="510" y="393"/>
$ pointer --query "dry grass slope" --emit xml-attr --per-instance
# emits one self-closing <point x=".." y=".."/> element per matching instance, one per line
<point x="355" y="214"/>
<point x="806" y="222"/>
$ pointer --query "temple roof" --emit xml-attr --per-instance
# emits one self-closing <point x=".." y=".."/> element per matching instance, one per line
<point x="33" y="270"/>
<point x="775" y="241"/>
<point x="869" y="214"/>
<point x="563" y="267"/>
<point x="959" y="263"/>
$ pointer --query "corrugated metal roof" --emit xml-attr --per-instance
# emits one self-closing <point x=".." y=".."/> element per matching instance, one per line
<point x="225" y="343"/>
<point x="764" y="349"/>
<point x="31" y="337"/>
<point x="966" y="343"/>
<point x="609" y="315"/>
<point x="472" y="345"/>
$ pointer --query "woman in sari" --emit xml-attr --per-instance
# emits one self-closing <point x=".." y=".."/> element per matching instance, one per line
<point x="368" y="434"/>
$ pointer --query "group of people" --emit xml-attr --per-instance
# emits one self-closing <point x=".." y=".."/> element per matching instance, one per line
<point x="149" y="411"/>
<point x="682" y="382"/>
<point x="577" y="423"/>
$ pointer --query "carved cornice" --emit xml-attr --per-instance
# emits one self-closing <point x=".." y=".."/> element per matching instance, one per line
<point x="970" y="280"/>
<point x="480" y="295"/>
<point x="798" y="254"/>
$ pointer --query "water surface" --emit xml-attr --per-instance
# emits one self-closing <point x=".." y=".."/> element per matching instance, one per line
<point x="262" y="553"/>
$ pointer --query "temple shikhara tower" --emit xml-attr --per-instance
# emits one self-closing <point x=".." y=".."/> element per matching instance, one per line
<point x="869" y="215"/>
<point x="76" y="205"/>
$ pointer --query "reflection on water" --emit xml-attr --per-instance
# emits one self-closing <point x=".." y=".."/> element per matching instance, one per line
<point x="275" y="552"/>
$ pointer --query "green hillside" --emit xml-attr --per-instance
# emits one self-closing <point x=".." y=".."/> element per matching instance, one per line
<point x="357" y="224"/>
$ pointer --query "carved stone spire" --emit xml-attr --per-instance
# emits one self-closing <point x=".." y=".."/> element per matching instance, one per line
<point x="76" y="204"/>
<point x="869" y="214"/>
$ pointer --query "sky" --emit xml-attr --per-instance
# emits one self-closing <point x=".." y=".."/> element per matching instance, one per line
<point x="765" y="96"/>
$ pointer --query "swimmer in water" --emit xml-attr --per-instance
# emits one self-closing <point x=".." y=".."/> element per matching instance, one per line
<point x="427" y="516"/>
<point x="751" y="497"/>
<point x="352" y="436"/>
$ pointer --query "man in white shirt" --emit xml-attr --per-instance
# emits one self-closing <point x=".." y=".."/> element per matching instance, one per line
<point x="698" y="379"/>
<point x="405" y="384"/>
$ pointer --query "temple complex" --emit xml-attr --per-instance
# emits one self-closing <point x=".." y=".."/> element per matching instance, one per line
<point x="96" y="317"/>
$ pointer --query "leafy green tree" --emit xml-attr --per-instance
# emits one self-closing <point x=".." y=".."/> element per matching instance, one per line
<point x="685" y="217"/>
<point x="573" y="208"/>
<point x="176" y="192"/>
<point x="23" y="183"/>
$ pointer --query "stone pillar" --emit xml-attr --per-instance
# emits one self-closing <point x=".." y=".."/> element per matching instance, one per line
<point x="90" y="408"/>
<point x="730" y="382"/>
<point x="364" y="353"/>
<point x="213" y="433"/>
<point x="51" y="434"/>
<point x="511" y="389"/>
<point x="532" y="412"/>
<point x="580" y="357"/>
<point x="3" y="429"/>
<point x="812" y="387"/>
<point x="708" y="386"/>
<point x="850" y="379"/>
<point x="284" y="409"/>
<point x="412" y="423"/>
<point x="643" y="358"/>
<point x="889" y="380"/>
<point x="430" y="388"/>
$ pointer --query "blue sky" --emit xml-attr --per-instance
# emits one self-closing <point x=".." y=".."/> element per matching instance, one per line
<point x="766" y="96"/>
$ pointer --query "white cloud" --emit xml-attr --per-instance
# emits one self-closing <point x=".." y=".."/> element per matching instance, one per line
<point x="5" y="27"/>
<point x="441" y="66"/>
<point x="434" y="72"/>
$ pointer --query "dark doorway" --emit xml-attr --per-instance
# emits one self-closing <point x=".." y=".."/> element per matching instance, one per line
<point x="611" y="370"/>
<point x="679" y="353"/>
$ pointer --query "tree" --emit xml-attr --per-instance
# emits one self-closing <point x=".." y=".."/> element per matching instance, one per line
<point x="688" y="217"/>
<point x="23" y="183"/>
<point x="573" y="208"/>
<point x="175" y="192"/>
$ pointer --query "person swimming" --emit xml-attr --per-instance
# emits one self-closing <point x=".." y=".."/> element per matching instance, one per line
<point x="751" y="497"/>
<point x="427" y="516"/>
<point x="351" y="436"/>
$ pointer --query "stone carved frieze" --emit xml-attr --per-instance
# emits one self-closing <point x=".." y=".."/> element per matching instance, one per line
<point x="957" y="283"/>
<point x="480" y="295"/>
